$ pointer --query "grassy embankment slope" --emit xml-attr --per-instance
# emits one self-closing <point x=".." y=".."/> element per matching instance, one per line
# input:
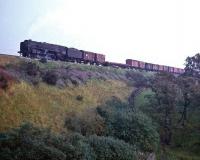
<point x="48" y="105"/>
<point x="59" y="94"/>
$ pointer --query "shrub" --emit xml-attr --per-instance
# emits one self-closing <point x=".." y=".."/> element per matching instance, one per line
<point x="32" y="143"/>
<point x="50" y="77"/>
<point x="80" y="149"/>
<point x="43" y="60"/>
<point x="137" y="79"/>
<point x="31" y="69"/>
<point x="107" y="148"/>
<point x="79" y="98"/>
<point x="131" y="126"/>
<point x="86" y="123"/>
<point x="187" y="138"/>
<point x="36" y="80"/>
<point x="101" y="148"/>
<point x="3" y="82"/>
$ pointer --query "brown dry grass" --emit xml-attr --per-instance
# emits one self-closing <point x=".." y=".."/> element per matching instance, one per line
<point x="6" y="59"/>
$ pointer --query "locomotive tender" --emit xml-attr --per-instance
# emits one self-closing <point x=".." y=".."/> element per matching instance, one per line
<point x="39" y="50"/>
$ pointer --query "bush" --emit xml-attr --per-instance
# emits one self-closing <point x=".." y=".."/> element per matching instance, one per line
<point x="31" y="69"/>
<point x="50" y="77"/>
<point x="107" y="148"/>
<point x="3" y="82"/>
<point x="137" y="79"/>
<point x="43" y="60"/>
<point x="32" y="143"/>
<point x="131" y="126"/>
<point x="80" y="149"/>
<point x="101" y="148"/>
<point x="86" y="123"/>
<point x="79" y="98"/>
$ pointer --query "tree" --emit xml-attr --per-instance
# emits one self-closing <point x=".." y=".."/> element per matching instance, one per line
<point x="187" y="86"/>
<point x="166" y="93"/>
<point x="192" y="66"/>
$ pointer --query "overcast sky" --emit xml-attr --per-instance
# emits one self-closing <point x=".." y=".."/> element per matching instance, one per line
<point x="157" y="31"/>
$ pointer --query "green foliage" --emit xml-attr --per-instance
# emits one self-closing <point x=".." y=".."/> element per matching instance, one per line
<point x="187" y="138"/>
<point x="137" y="79"/>
<point x="174" y="106"/>
<point x="166" y="95"/>
<point x="132" y="127"/>
<point x="174" y="154"/>
<point x="192" y="66"/>
<point x="79" y="148"/>
<point x="189" y="87"/>
<point x="32" y="143"/>
<point x="107" y="148"/>
<point x="142" y="100"/>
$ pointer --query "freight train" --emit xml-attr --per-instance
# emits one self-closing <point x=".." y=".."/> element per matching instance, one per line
<point x="43" y="50"/>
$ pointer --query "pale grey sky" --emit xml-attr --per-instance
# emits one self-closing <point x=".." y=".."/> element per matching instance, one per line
<point x="157" y="31"/>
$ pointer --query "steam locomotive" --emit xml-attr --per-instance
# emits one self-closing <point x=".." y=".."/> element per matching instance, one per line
<point x="39" y="50"/>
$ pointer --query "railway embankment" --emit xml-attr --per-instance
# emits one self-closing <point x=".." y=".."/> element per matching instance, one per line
<point x="62" y="110"/>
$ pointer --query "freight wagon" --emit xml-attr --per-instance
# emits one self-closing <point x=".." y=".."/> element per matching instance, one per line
<point x="153" y="67"/>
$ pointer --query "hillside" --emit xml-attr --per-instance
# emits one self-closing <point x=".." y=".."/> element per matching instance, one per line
<point x="93" y="106"/>
<point x="69" y="88"/>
